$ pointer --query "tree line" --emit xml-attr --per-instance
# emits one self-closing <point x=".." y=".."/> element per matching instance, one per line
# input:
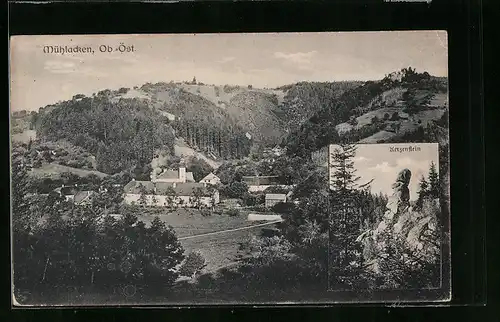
<point x="122" y="135"/>
<point x="60" y="245"/>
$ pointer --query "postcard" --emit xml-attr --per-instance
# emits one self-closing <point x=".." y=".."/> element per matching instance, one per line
<point x="239" y="168"/>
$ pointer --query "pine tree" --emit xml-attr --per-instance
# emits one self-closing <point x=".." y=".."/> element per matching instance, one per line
<point x="433" y="181"/>
<point x="143" y="198"/>
<point x="344" y="215"/>
<point x="423" y="191"/>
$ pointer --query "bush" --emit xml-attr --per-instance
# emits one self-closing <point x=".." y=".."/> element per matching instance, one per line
<point x="395" y="116"/>
<point x="236" y="190"/>
<point x="206" y="212"/>
<point x="233" y="212"/>
<point x="283" y="208"/>
<point x="192" y="265"/>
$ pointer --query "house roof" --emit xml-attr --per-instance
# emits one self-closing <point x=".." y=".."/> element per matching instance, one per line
<point x="210" y="176"/>
<point x="190" y="177"/>
<point x="166" y="188"/>
<point x="82" y="196"/>
<point x="135" y="186"/>
<point x="169" y="174"/>
<point x="275" y="196"/>
<point x="260" y="180"/>
<point x="67" y="190"/>
<point x="189" y="188"/>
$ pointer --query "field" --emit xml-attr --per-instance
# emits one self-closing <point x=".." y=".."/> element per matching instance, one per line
<point x="24" y="137"/>
<point x="195" y="234"/>
<point x="54" y="170"/>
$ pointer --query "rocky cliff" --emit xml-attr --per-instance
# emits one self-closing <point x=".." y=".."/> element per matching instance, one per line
<point x="407" y="237"/>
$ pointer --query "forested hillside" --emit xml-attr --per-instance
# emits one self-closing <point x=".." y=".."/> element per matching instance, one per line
<point x="121" y="135"/>
<point x="304" y="99"/>
<point x="124" y="129"/>
<point x="403" y="105"/>
<point x="203" y="125"/>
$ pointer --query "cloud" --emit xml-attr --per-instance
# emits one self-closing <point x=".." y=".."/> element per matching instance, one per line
<point x="361" y="159"/>
<point x="226" y="59"/>
<point x="302" y="60"/>
<point x="59" y="67"/>
<point x="68" y="67"/>
<point x="382" y="167"/>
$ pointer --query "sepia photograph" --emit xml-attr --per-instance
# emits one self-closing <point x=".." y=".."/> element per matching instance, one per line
<point x="384" y="216"/>
<point x="238" y="168"/>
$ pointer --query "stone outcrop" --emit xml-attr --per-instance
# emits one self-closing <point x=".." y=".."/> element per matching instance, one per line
<point x="403" y="224"/>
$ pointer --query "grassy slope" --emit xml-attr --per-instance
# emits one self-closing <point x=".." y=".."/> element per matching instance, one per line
<point x="219" y="250"/>
<point x="53" y="170"/>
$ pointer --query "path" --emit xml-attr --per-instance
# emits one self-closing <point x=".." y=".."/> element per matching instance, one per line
<point x="230" y="230"/>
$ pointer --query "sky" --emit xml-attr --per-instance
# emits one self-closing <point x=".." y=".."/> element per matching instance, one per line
<point x="262" y="60"/>
<point x="376" y="161"/>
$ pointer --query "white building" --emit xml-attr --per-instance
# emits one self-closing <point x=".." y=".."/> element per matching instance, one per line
<point x="170" y="194"/>
<point x="274" y="198"/>
<point x="210" y="179"/>
<point x="179" y="176"/>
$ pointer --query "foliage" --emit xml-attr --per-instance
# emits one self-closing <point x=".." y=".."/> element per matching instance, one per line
<point x="193" y="264"/>
<point x="61" y="152"/>
<point x="60" y="244"/>
<point x="231" y="172"/>
<point x="303" y="99"/>
<point x="416" y="264"/>
<point x="199" y="167"/>
<point x="345" y="215"/>
<point x="251" y="199"/>
<point x="235" y="190"/>
<point x="198" y="193"/>
<point x="232" y="212"/>
<point x="291" y="169"/>
<point x="430" y="187"/>
<point x="277" y="189"/>
<point x="316" y="132"/>
<point x="206" y="212"/>
<point x="283" y="207"/>
<point x="206" y="127"/>
<point x="77" y="247"/>
<point x="121" y="135"/>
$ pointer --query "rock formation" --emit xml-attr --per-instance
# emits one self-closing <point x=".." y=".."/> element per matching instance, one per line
<point x="402" y="224"/>
<point x="397" y="204"/>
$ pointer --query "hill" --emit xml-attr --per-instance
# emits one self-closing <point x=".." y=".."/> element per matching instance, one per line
<point x="54" y="171"/>
<point x="403" y="106"/>
<point x="125" y="129"/>
<point x="21" y="127"/>
<point x="302" y="100"/>
<point x="122" y="135"/>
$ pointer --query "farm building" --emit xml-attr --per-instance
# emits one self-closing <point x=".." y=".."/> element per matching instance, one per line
<point x="180" y="176"/>
<point x="210" y="179"/>
<point x="261" y="183"/>
<point x="274" y="198"/>
<point x="167" y="194"/>
<point x="73" y="194"/>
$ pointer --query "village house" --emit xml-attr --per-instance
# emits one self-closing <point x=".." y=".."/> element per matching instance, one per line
<point x="178" y="176"/>
<point x="170" y="194"/>
<point x="274" y="198"/>
<point x="74" y="195"/>
<point x="261" y="183"/>
<point x="211" y="179"/>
